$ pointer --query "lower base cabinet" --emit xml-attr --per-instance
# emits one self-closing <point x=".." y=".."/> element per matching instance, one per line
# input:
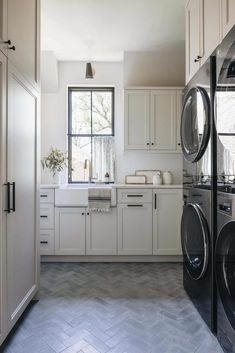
<point x="135" y="229"/>
<point x="70" y="226"/>
<point x="167" y="212"/>
<point x="101" y="233"/>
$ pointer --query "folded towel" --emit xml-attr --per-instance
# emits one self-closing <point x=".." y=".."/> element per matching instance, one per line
<point x="99" y="200"/>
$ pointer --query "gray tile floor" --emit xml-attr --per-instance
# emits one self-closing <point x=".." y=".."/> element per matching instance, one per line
<point x="113" y="308"/>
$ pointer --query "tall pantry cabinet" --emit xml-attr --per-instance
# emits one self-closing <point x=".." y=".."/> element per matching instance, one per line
<point x="19" y="157"/>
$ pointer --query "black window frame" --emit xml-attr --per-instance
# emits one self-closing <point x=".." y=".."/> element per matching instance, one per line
<point x="70" y="135"/>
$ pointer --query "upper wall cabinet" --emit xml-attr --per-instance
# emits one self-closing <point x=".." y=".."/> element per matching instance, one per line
<point x="23" y="37"/>
<point x="203" y="32"/>
<point x="228" y="15"/>
<point x="192" y="27"/>
<point x="3" y="26"/>
<point x="151" y="119"/>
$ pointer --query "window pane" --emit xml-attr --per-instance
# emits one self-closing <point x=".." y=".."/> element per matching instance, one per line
<point x="101" y="113"/>
<point x="81" y="150"/>
<point x="103" y="157"/>
<point x="81" y="112"/>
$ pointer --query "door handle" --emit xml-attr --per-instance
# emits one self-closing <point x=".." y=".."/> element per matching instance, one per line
<point x="155" y="201"/>
<point x="9" y="208"/>
<point x="13" y="197"/>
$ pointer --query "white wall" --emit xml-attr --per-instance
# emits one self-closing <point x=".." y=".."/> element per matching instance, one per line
<point x="54" y="121"/>
<point x="159" y="68"/>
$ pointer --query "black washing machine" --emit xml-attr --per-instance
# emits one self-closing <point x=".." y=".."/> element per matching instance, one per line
<point x="197" y="236"/>
<point x="225" y="271"/>
<point x="225" y="245"/>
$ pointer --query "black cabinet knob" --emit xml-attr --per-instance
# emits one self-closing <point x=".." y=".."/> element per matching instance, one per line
<point x="179" y="144"/>
<point x="12" y="48"/>
<point x="147" y="143"/>
<point x="8" y="42"/>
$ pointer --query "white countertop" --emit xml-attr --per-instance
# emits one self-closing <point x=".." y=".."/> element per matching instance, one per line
<point x="121" y="186"/>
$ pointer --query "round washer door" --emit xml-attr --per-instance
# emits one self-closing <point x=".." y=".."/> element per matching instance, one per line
<point x="195" y="124"/>
<point x="225" y="269"/>
<point x="195" y="241"/>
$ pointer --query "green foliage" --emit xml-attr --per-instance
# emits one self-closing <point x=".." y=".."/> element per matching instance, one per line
<point x="56" y="161"/>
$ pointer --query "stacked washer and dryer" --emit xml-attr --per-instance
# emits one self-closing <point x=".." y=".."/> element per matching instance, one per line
<point x="208" y="220"/>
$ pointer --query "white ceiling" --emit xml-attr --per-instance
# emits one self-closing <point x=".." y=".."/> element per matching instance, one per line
<point x="101" y="30"/>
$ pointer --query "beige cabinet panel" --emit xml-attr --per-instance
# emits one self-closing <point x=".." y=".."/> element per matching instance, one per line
<point x="228" y="15"/>
<point x="3" y="26"/>
<point x="22" y="281"/>
<point x="101" y="233"/>
<point x="3" y="235"/>
<point x="210" y="27"/>
<point x="192" y="40"/>
<point x="166" y="221"/>
<point x="22" y="27"/>
<point x="137" y="110"/>
<point x="163" y="119"/>
<point x="135" y="229"/>
<point x="70" y="227"/>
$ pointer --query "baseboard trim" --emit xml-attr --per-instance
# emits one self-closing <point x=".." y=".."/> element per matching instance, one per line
<point x="70" y="258"/>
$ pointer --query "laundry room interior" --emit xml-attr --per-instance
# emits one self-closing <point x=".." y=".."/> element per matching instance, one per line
<point x="117" y="169"/>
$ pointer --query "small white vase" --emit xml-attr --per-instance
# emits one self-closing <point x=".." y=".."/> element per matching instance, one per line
<point x="56" y="178"/>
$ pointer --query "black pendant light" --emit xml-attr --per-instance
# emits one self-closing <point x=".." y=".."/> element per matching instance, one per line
<point x="89" y="71"/>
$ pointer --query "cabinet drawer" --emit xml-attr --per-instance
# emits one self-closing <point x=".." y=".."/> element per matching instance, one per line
<point x="134" y="195"/>
<point x="47" y="242"/>
<point x="46" y="216"/>
<point x="46" y="195"/>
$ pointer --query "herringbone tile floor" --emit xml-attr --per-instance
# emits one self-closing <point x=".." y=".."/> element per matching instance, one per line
<point x="112" y="308"/>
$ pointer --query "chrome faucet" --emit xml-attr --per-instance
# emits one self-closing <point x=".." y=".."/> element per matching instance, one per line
<point x="86" y="163"/>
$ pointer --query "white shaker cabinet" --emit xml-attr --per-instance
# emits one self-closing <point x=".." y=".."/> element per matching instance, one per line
<point x="135" y="229"/>
<point x="151" y="119"/>
<point x="228" y="15"/>
<point x="101" y="233"/>
<point x="3" y="26"/>
<point x="22" y="221"/>
<point x="192" y="40"/>
<point x="23" y="21"/>
<point x="167" y="211"/>
<point x="210" y="27"/>
<point x="3" y="235"/>
<point x="137" y="119"/>
<point x="163" y="119"/>
<point x="70" y="228"/>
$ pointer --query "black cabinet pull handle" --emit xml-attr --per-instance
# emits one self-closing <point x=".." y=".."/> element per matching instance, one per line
<point x="8" y="209"/>
<point x="7" y="42"/>
<point x="12" y="48"/>
<point x="155" y="201"/>
<point x="13" y="196"/>
<point x="43" y="242"/>
<point x="134" y="195"/>
<point x="134" y="205"/>
<point x="42" y="216"/>
<point x="43" y="195"/>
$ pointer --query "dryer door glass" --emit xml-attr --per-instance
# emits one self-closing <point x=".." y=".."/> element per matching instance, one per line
<point x="225" y="269"/>
<point x="195" y="124"/>
<point x="225" y="112"/>
<point x="195" y="241"/>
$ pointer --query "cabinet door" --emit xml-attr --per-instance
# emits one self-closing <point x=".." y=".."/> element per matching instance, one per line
<point x="210" y="27"/>
<point x="137" y="117"/>
<point x="22" y="223"/>
<point x="70" y="231"/>
<point x="192" y="40"/>
<point x="3" y="109"/>
<point x="178" y="119"/>
<point x="135" y="229"/>
<point x="228" y="16"/>
<point x="167" y="213"/>
<point x="3" y="26"/>
<point x="101" y="233"/>
<point x="163" y="119"/>
<point x="23" y="31"/>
